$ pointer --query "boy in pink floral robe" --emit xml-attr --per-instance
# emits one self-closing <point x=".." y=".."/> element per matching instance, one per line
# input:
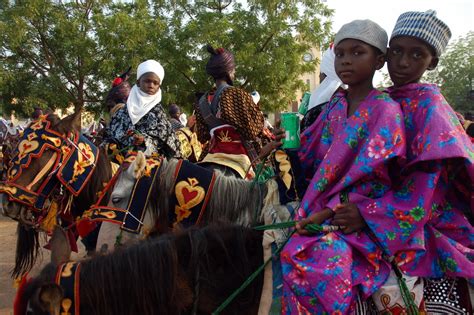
<point x="356" y="145"/>
<point x="426" y="222"/>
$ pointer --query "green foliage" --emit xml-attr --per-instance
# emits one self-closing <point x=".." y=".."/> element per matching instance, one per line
<point x="456" y="73"/>
<point x="58" y="53"/>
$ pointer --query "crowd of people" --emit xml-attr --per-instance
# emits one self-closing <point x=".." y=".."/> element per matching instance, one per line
<point x="391" y="170"/>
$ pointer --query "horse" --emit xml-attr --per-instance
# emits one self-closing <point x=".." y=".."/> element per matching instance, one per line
<point x="55" y="172"/>
<point x="229" y="200"/>
<point x="189" y="272"/>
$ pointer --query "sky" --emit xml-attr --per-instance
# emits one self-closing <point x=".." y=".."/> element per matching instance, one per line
<point x="457" y="14"/>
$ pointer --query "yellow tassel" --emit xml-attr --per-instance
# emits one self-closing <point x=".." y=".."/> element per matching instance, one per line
<point x="50" y="221"/>
<point x="16" y="282"/>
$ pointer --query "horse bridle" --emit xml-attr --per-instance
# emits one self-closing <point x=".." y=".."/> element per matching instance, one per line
<point x="130" y="219"/>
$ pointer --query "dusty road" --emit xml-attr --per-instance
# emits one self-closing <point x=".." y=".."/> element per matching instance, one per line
<point x="7" y="259"/>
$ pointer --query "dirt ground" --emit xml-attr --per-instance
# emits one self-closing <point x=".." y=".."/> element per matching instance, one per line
<point x="7" y="260"/>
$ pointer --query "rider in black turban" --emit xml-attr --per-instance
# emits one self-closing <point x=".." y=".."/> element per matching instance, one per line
<point x="221" y="64"/>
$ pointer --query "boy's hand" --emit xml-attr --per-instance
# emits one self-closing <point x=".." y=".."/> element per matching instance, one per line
<point x="275" y="144"/>
<point x="347" y="216"/>
<point x="315" y="218"/>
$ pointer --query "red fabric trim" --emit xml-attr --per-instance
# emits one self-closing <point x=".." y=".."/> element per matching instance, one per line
<point x="19" y="304"/>
<point x="206" y="200"/>
<point x="77" y="280"/>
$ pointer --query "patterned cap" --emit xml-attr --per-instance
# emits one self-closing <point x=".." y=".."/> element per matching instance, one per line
<point x="364" y="30"/>
<point x="425" y="26"/>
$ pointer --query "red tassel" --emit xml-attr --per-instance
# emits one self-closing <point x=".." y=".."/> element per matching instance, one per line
<point x="116" y="82"/>
<point x="85" y="226"/>
<point x="19" y="305"/>
<point x="220" y="50"/>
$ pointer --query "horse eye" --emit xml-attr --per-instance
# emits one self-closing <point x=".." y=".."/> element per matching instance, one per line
<point x="116" y="200"/>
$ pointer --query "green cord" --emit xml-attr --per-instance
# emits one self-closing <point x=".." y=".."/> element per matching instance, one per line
<point x="312" y="228"/>
<point x="411" y="307"/>
<point x="249" y="279"/>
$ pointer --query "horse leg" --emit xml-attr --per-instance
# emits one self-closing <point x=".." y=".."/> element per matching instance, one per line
<point x="60" y="247"/>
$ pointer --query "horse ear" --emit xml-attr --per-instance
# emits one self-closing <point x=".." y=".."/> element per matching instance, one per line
<point x="60" y="247"/>
<point x="69" y="123"/>
<point x="139" y="165"/>
<point x="50" y="297"/>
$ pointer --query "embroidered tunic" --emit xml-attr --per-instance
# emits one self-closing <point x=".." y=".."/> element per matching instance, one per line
<point x="360" y="153"/>
<point x="231" y="142"/>
<point x="154" y="126"/>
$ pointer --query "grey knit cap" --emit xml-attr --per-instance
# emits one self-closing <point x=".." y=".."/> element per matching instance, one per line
<point x="425" y="26"/>
<point x="364" y="30"/>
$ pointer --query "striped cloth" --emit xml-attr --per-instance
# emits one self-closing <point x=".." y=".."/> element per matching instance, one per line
<point x="425" y="26"/>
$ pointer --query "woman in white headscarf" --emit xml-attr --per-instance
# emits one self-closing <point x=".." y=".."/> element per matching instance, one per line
<point x="143" y="124"/>
<point x="330" y="82"/>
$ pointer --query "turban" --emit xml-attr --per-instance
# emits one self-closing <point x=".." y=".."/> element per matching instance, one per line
<point x="151" y="66"/>
<point x="221" y="62"/>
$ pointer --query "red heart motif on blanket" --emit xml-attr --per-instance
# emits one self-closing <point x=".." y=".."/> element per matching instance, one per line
<point x="188" y="193"/>
<point x="85" y="226"/>
<point x="26" y="147"/>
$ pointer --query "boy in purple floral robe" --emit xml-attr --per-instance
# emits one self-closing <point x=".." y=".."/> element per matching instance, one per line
<point x="356" y="145"/>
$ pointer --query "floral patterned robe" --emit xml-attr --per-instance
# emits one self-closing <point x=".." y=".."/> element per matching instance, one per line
<point x="424" y="219"/>
<point x="361" y="154"/>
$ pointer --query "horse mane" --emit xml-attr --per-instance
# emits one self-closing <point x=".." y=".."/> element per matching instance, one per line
<point x="166" y="275"/>
<point x="233" y="200"/>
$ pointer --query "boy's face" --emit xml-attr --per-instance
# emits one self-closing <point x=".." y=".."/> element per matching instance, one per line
<point x="408" y="58"/>
<point x="149" y="83"/>
<point x="356" y="61"/>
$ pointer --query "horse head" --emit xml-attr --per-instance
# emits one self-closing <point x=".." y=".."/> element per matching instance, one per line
<point x="133" y="193"/>
<point x="192" y="271"/>
<point x="134" y="169"/>
<point x="35" y="159"/>
<point x="49" y="181"/>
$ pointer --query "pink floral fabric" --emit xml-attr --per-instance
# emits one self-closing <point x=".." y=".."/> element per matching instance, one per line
<point x="419" y="213"/>
<point x="325" y="273"/>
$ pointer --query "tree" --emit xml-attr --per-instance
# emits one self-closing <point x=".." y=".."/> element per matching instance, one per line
<point x="456" y="73"/>
<point x="268" y="39"/>
<point x="58" y="53"/>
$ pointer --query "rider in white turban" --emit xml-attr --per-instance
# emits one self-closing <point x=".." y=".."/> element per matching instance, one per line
<point x="143" y="124"/>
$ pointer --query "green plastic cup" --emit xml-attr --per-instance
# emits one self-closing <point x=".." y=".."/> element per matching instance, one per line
<point x="291" y="123"/>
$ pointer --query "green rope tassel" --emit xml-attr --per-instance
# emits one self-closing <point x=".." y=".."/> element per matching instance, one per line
<point x="312" y="228"/>
<point x="411" y="307"/>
